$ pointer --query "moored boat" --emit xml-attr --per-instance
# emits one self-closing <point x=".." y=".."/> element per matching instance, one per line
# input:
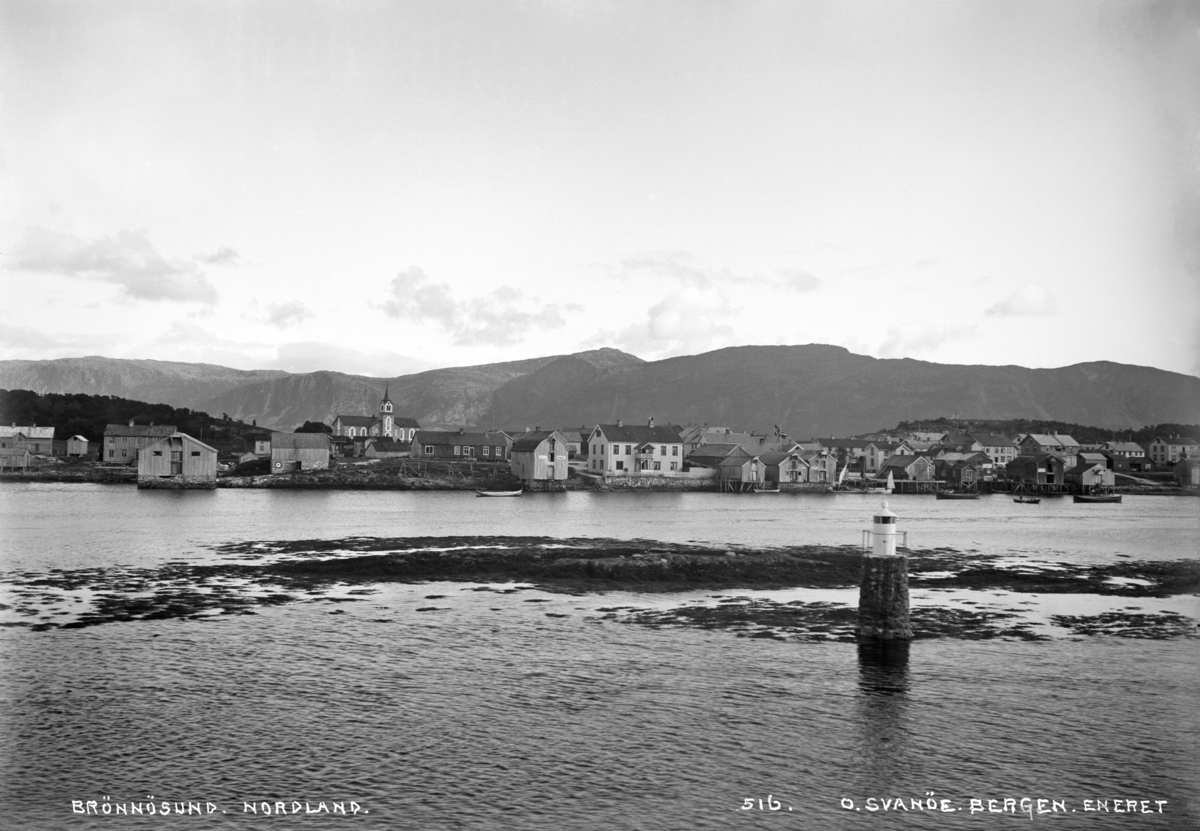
<point x="517" y="492"/>
<point x="1027" y="500"/>
<point x="955" y="495"/>
<point x="1097" y="497"/>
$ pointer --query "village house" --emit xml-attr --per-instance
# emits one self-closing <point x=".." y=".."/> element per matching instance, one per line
<point x="1090" y="475"/>
<point x="1169" y="449"/>
<point x="14" y="458"/>
<point x="926" y="437"/>
<point x="1187" y="472"/>
<point x="299" y="451"/>
<point x="799" y="466"/>
<point x="77" y="446"/>
<point x="340" y="446"/>
<point x="615" y="449"/>
<point x="380" y="448"/>
<point x="574" y="440"/>
<point x="123" y="441"/>
<point x="384" y="424"/>
<point x="461" y="446"/>
<point x="177" y="461"/>
<point x="694" y="435"/>
<point x="735" y="466"/>
<point x="1000" y="449"/>
<point x="959" y="473"/>
<point x="907" y="468"/>
<point x="1128" y="449"/>
<point x="960" y="443"/>
<point x="33" y="438"/>
<point x="1039" y="469"/>
<point x="1034" y="443"/>
<point x="539" y="457"/>
<point x="877" y="453"/>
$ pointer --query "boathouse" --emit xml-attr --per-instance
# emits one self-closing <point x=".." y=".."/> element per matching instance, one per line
<point x="299" y="451"/>
<point x="177" y="461"/>
<point x="539" y="458"/>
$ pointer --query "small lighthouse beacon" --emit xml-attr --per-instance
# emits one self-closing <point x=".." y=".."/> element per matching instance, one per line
<point x="883" y="595"/>
<point x="883" y="533"/>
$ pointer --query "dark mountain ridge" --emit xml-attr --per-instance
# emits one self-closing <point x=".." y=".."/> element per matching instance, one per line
<point x="808" y="390"/>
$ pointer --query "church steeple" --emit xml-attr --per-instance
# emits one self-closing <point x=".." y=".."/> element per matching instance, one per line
<point x="385" y="406"/>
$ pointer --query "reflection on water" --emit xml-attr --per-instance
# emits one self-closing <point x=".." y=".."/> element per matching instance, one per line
<point x="883" y="667"/>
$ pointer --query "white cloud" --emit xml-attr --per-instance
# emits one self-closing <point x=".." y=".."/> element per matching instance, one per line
<point x="310" y="356"/>
<point x="685" y="321"/>
<point x="922" y="341"/>
<point x="678" y="266"/>
<point x="502" y="317"/>
<point x="1029" y="300"/>
<point x="127" y="260"/>
<point x="287" y="314"/>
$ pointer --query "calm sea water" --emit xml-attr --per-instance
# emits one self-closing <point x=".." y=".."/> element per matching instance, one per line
<point x="495" y="712"/>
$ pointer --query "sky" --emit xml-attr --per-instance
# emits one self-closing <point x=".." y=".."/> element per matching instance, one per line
<point x="382" y="188"/>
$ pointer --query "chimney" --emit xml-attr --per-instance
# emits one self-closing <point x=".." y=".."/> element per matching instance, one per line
<point x="620" y="423"/>
<point x="460" y="430"/>
<point x="131" y="422"/>
<point x="537" y="428"/>
<point x="651" y="422"/>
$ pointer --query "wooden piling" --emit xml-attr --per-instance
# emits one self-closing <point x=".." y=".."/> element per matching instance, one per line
<point x="883" y="599"/>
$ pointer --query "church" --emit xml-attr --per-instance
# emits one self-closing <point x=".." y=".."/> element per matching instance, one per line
<point x="384" y="424"/>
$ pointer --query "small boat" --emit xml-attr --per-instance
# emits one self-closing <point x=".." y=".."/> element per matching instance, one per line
<point x="517" y="492"/>
<point x="955" y="495"/>
<point x="767" y="490"/>
<point x="1027" y="500"/>
<point x="1097" y="497"/>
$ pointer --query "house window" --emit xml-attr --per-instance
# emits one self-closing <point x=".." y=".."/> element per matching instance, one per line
<point x="664" y="450"/>
<point x="616" y="448"/>
<point x="111" y="453"/>
<point x="628" y="450"/>
<point x="468" y="451"/>
<point x="658" y="465"/>
<point x="487" y="451"/>
<point x="157" y="452"/>
<point x="457" y="450"/>
<point x="674" y="465"/>
<point x="675" y="452"/>
<point x="195" y="452"/>
<point x="620" y="465"/>
<point x="429" y="450"/>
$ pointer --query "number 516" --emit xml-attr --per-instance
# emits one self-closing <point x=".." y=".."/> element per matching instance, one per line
<point x="771" y="804"/>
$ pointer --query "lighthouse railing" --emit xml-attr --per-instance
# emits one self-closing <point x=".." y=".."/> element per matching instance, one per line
<point x="868" y="539"/>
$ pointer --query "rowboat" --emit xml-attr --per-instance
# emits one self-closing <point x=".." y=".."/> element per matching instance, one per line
<point x="955" y="495"/>
<point x="1097" y="497"/>
<point x="517" y="492"/>
<point x="1027" y="500"/>
<point x="767" y="490"/>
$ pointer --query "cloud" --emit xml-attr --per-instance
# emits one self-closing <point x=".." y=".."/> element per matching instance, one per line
<point x="24" y="343"/>
<point x="685" y="321"/>
<point x="222" y="256"/>
<point x="311" y="356"/>
<point x="127" y="260"/>
<point x="1028" y="301"/>
<point x="921" y="342"/>
<point x="677" y="266"/>
<point x="500" y="318"/>
<point x="287" y="314"/>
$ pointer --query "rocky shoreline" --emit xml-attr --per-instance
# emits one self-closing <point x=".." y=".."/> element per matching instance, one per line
<point x="254" y="574"/>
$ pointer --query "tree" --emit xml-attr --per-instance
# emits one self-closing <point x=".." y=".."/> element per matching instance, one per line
<point x="313" y="427"/>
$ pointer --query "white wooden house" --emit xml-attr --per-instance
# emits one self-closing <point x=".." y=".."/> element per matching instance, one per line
<point x="539" y="456"/>
<point x="177" y="461"/>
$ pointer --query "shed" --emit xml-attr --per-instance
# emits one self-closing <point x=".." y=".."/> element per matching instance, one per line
<point x="14" y="458"/>
<point x="77" y="446"/>
<point x="539" y="456"/>
<point x="299" y="451"/>
<point x="177" y="461"/>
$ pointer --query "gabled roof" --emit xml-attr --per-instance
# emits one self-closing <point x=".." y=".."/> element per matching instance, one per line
<point x="847" y="443"/>
<point x="956" y="438"/>
<point x="1051" y="438"/>
<point x="1178" y="441"/>
<point x="191" y="439"/>
<point x="77" y="438"/>
<point x="712" y="455"/>
<point x="1124" y="447"/>
<point x="406" y="421"/>
<point x="900" y="461"/>
<point x="389" y="446"/>
<point x="1084" y="467"/>
<point x="529" y="442"/>
<point x="992" y="440"/>
<point x="357" y="420"/>
<point x="300" y="441"/>
<point x="139" y="430"/>
<point x="663" y="434"/>
<point x="28" y="432"/>
<point x="775" y="457"/>
<point x="460" y="438"/>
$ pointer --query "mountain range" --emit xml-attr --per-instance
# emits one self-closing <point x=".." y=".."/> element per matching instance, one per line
<point x="807" y="390"/>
